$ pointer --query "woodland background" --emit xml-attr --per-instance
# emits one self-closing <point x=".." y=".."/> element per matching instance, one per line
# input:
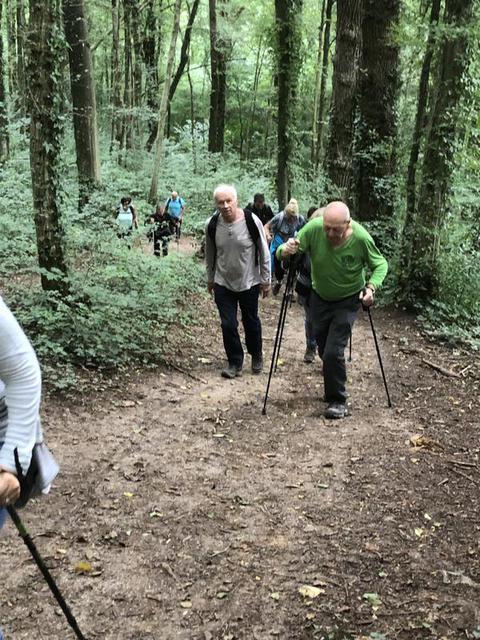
<point x="373" y="101"/>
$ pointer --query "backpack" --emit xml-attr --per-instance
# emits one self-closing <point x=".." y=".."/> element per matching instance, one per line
<point x="251" y="226"/>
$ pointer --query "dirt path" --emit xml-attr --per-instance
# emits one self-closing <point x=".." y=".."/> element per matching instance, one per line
<point x="198" y="518"/>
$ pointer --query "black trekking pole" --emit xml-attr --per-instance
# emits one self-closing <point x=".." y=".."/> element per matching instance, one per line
<point x="350" y="347"/>
<point x="280" y="326"/>
<point x="23" y="533"/>
<point x="378" y="354"/>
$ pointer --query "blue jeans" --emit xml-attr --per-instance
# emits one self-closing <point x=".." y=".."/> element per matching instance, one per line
<point x="227" y="302"/>
<point x="333" y="321"/>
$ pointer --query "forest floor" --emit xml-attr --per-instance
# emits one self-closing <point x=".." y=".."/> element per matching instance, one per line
<point x="181" y="512"/>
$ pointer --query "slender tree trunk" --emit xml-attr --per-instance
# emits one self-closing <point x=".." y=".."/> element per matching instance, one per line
<point x="318" y="84"/>
<point x="21" y="106"/>
<point x="323" y="84"/>
<point x="184" y="58"/>
<point x="345" y="78"/>
<point x="151" y="47"/>
<point x="218" y="91"/>
<point x="4" y="137"/>
<point x="253" y="108"/>
<point x="12" y="47"/>
<point x="127" y="123"/>
<point x="162" y="114"/>
<point x="419" y="128"/>
<point x="82" y="84"/>
<point x="192" y="120"/>
<point x="45" y="79"/>
<point x="288" y="69"/>
<point x="440" y="149"/>
<point x="116" y="91"/>
<point x="137" y="80"/>
<point x="379" y="83"/>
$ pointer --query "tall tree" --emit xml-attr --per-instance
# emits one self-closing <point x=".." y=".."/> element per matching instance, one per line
<point x="45" y="47"/>
<point x="344" y="87"/>
<point x="127" y="121"/>
<point x="4" y="137"/>
<point x="162" y="114"/>
<point x="116" y="90"/>
<point x="21" y="57"/>
<point x="420" y="118"/>
<point x="440" y="149"/>
<point x="151" y="45"/>
<point x="218" y="90"/>
<point x="287" y="14"/>
<point x="379" y="83"/>
<point x="82" y="84"/>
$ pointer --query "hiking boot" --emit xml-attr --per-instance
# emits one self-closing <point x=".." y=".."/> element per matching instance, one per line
<point x="232" y="371"/>
<point x="336" y="410"/>
<point x="257" y="364"/>
<point x="276" y="288"/>
<point x="309" y="355"/>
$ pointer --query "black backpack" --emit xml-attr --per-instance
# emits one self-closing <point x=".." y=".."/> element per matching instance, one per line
<point x="251" y="226"/>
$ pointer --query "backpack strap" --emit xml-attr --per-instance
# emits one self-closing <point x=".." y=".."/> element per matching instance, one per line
<point x="253" y="231"/>
<point x="211" y="231"/>
<point x="167" y="205"/>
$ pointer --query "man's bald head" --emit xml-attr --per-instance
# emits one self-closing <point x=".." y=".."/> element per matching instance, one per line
<point x="336" y="213"/>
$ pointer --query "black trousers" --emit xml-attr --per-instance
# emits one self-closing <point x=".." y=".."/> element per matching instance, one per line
<point x="332" y="325"/>
<point x="227" y="303"/>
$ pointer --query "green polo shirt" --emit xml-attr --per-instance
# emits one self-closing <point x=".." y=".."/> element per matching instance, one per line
<point x="340" y="272"/>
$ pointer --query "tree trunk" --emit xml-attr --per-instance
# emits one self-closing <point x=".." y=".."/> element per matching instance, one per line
<point x="379" y="83"/>
<point x="11" y="17"/>
<point x="344" y="87"/>
<point x="184" y="58"/>
<point x="45" y="46"/>
<point x="137" y="66"/>
<point x="218" y="91"/>
<point x="323" y="84"/>
<point x="318" y="84"/>
<point x="4" y="137"/>
<point x="21" y="106"/>
<point x="253" y="108"/>
<point x="420" y="122"/>
<point x="288" y="69"/>
<point x="440" y="149"/>
<point x="127" y="121"/>
<point x="116" y="91"/>
<point x="162" y="114"/>
<point x="192" y="120"/>
<point x="151" y="47"/>
<point x="82" y="84"/>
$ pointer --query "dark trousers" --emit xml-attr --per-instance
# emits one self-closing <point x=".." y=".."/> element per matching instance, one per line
<point x="227" y="303"/>
<point x="160" y="241"/>
<point x="278" y="269"/>
<point x="332" y="323"/>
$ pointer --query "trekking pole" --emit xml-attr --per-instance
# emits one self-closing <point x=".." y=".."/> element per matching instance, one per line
<point x="378" y="355"/>
<point x="280" y="325"/>
<point x="23" y="533"/>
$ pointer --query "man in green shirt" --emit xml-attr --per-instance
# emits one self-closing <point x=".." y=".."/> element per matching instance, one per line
<point x="340" y="251"/>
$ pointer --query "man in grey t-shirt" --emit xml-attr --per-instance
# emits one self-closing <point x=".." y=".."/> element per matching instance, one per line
<point x="237" y="271"/>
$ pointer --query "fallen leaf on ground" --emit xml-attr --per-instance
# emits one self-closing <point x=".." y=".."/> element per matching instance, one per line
<point x="308" y="591"/>
<point x="83" y="567"/>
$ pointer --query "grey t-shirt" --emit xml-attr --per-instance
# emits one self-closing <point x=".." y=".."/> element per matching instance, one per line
<point x="234" y="265"/>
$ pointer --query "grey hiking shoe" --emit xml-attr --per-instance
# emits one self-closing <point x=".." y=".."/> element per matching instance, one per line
<point x="257" y="364"/>
<point x="336" y="410"/>
<point x="276" y="287"/>
<point x="309" y="355"/>
<point x="231" y="371"/>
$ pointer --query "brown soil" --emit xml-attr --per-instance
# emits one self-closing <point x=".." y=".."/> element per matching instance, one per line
<point x="196" y="517"/>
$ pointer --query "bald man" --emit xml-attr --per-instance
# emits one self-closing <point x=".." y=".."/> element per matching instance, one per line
<point x="341" y="253"/>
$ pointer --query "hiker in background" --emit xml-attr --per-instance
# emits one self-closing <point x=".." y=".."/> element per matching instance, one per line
<point x="175" y="208"/>
<point x="282" y="227"/>
<point x="163" y="230"/>
<point x="303" y="289"/>
<point x="20" y="430"/>
<point x="238" y="269"/>
<point x="126" y="217"/>
<point x="260" y="209"/>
